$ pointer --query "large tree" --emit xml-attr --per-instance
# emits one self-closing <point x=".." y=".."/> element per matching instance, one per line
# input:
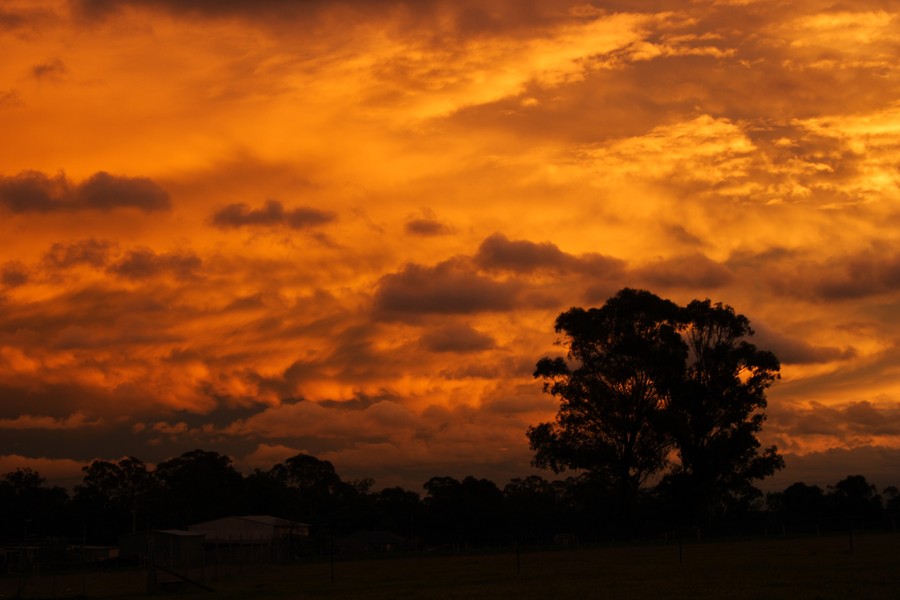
<point x="114" y="496"/>
<point x="613" y="387"/>
<point x="717" y="411"/>
<point x="645" y="379"/>
<point x="199" y="485"/>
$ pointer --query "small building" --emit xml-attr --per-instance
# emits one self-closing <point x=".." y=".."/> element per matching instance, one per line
<point x="250" y="528"/>
<point x="252" y="539"/>
<point x="173" y="548"/>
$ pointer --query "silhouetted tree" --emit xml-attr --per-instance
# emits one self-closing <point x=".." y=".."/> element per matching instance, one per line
<point x="623" y="360"/>
<point x="443" y="505"/>
<point x="400" y="511"/>
<point x="114" y="497"/>
<point x="267" y="494"/>
<point x="891" y="496"/>
<point x="198" y="486"/>
<point x="318" y="488"/>
<point x="28" y="506"/>
<point x="801" y="507"/>
<point x="464" y="513"/>
<point x="717" y="410"/>
<point x="531" y="508"/>
<point x="855" y="501"/>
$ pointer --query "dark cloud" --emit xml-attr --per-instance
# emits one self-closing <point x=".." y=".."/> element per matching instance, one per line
<point x="793" y="350"/>
<point x="13" y="274"/>
<point x="94" y="307"/>
<point x="497" y="252"/>
<point x="451" y="287"/>
<point x="457" y="339"/>
<point x="35" y="192"/>
<point x="22" y="18"/>
<point x="90" y="252"/>
<point x="427" y="227"/>
<point x="50" y="70"/>
<point x="11" y="20"/>
<point x="877" y="463"/>
<point x="690" y="271"/>
<point x="10" y="98"/>
<point x="853" y="421"/>
<point x="521" y="256"/>
<point x="681" y="235"/>
<point x="145" y="263"/>
<point x="476" y="17"/>
<point x="272" y="214"/>
<point x="869" y="273"/>
<point x="858" y="276"/>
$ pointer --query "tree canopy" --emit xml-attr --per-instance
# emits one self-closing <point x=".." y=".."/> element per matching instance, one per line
<point x="645" y="379"/>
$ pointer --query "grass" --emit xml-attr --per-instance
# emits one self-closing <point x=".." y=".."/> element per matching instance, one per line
<point x="802" y="568"/>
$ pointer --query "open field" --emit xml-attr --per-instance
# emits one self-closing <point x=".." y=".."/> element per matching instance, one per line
<point x="772" y="568"/>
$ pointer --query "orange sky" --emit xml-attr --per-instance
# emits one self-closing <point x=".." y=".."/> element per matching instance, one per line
<point x="346" y="227"/>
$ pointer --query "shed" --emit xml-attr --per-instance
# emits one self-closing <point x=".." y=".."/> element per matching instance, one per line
<point x="250" y="529"/>
<point x="175" y="548"/>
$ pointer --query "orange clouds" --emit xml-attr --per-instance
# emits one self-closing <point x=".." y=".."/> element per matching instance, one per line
<point x="347" y="228"/>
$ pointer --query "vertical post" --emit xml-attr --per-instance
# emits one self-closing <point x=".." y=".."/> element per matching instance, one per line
<point x="519" y="552"/>
<point x="83" y="563"/>
<point x="331" y="530"/>
<point x="151" y="566"/>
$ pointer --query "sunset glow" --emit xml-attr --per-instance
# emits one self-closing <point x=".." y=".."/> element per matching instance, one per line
<point x="346" y="227"/>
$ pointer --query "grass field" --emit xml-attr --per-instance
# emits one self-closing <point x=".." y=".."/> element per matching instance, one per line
<point x="804" y="568"/>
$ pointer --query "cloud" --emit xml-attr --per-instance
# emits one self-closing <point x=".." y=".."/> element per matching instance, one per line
<point x="878" y="464"/>
<point x="10" y="98"/>
<point x="498" y="252"/>
<point x="272" y="214"/>
<point x="13" y="274"/>
<point x="852" y="424"/>
<point x="844" y="276"/>
<point x="268" y="455"/>
<point x="457" y="339"/>
<point x="58" y="471"/>
<point x="378" y="421"/>
<point x="144" y="263"/>
<point x="693" y="271"/>
<point x="450" y="287"/>
<point x="88" y="252"/>
<point x="53" y="70"/>
<point x="74" y="421"/>
<point x="795" y="350"/>
<point x="426" y="226"/>
<point x="35" y="192"/>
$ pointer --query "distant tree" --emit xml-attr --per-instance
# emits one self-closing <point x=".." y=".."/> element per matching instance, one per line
<point x="891" y="496"/>
<point x="623" y="360"/>
<point x="30" y="507"/>
<point x="444" y="510"/>
<point x="199" y="485"/>
<point x="802" y="507"/>
<point x="400" y="511"/>
<point x="114" y="497"/>
<point x="267" y="494"/>
<point x="317" y="486"/>
<point x="855" y="501"/>
<point x="717" y="410"/>
<point x="467" y="512"/>
<point x="532" y="509"/>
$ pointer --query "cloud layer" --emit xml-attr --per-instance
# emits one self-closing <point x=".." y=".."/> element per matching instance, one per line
<point x="347" y="227"/>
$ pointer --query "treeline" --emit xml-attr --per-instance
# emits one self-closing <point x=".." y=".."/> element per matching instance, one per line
<point x="124" y="496"/>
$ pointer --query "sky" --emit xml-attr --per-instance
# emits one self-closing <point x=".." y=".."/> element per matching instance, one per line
<point x="346" y="227"/>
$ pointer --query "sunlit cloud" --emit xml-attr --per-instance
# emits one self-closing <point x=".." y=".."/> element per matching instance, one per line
<point x="346" y="228"/>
